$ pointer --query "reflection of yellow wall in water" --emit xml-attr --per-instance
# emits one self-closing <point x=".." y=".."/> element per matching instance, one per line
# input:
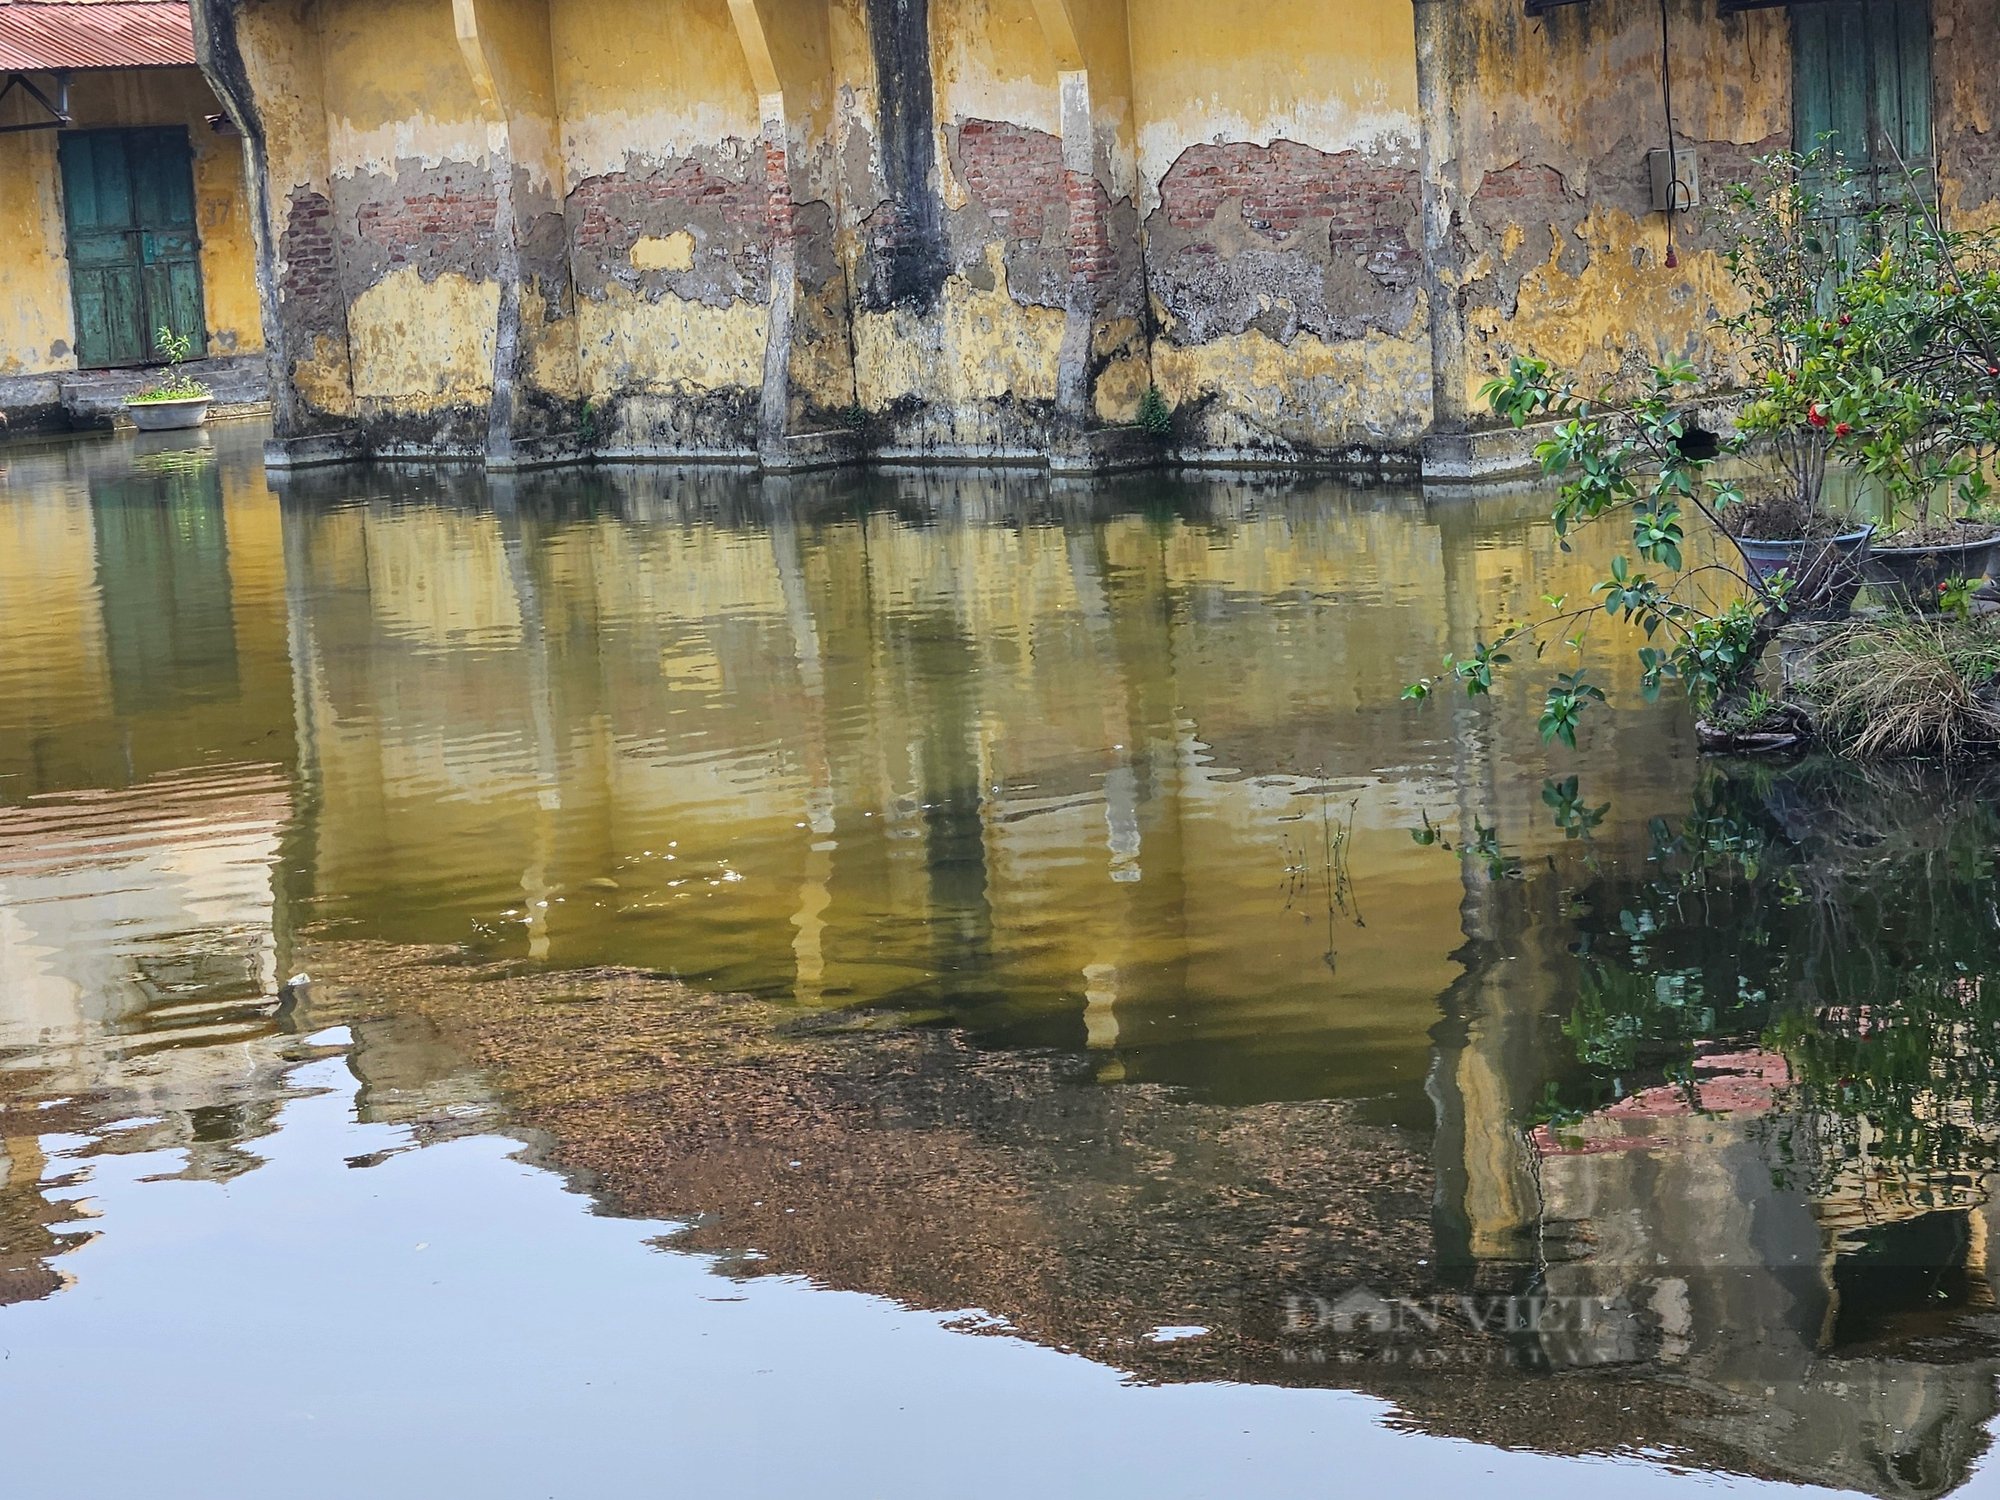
<point x="57" y="695"/>
<point x="48" y="562"/>
<point x="1117" y="721"/>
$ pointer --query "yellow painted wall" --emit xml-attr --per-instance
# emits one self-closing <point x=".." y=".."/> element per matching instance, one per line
<point x="1265" y="70"/>
<point x="1219" y="72"/>
<point x="1569" y="100"/>
<point x="639" y="90"/>
<point x="399" y="97"/>
<point x="990" y="61"/>
<point x="647" y="80"/>
<point x="1581" y="96"/>
<point x="397" y="88"/>
<point x="37" y="324"/>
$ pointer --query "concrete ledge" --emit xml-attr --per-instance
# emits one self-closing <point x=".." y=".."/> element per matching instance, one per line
<point x="1490" y="453"/>
<point x="1107" y="450"/>
<point x="1473" y="459"/>
<point x="312" y="452"/>
<point x="804" y="451"/>
<point x="97" y="397"/>
<point x="539" y="453"/>
<point x="1509" y="452"/>
<point x="31" y="405"/>
<point x="83" y="400"/>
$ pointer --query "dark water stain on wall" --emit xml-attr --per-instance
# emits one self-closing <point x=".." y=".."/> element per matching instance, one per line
<point x="908" y="260"/>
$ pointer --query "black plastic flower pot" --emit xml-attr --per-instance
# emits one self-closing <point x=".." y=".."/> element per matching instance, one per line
<point x="1913" y="576"/>
<point x="1825" y="572"/>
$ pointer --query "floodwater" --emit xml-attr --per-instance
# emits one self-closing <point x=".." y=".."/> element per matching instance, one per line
<point x="939" y="984"/>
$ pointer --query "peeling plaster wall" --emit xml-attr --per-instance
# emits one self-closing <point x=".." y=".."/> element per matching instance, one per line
<point x="414" y="208"/>
<point x="989" y="225"/>
<point x="944" y="98"/>
<point x="275" y="45"/>
<point x="508" y="48"/>
<point x="1967" y="44"/>
<point x="1278" y="157"/>
<point x="982" y="228"/>
<point x="1556" y="250"/>
<point x="667" y="221"/>
<point x="37" y="322"/>
<point x="809" y="369"/>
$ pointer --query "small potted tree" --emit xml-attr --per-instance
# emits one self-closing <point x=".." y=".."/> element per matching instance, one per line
<point x="1918" y="404"/>
<point x="177" y="400"/>
<point x="1784" y="257"/>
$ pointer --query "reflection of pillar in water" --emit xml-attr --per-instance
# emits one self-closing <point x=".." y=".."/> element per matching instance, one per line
<point x="1487" y="1056"/>
<point x="808" y="955"/>
<point x="955" y="850"/>
<point x="1121" y="783"/>
<point x="536" y="889"/>
<point x="942" y="687"/>
<point x="292" y="880"/>
<point x="1100" y="1017"/>
<point x="1121" y="822"/>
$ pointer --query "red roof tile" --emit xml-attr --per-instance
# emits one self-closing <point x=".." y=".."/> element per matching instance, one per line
<point x="37" y="35"/>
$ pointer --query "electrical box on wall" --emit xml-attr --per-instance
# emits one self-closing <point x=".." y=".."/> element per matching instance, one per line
<point x="1676" y="179"/>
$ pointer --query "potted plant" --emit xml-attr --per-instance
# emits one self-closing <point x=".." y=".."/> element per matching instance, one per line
<point x="1780" y="519"/>
<point x="1783" y="255"/>
<point x="1918" y="402"/>
<point x="177" y="400"/>
<point x="1887" y="367"/>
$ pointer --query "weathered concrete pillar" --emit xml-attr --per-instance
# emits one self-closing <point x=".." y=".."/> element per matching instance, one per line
<point x="506" y="48"/>
<point x="1105" y="363"/>
<point x="264" y="64"/>
<point x="808" y="361"/>
<point x="1439" y="69"/>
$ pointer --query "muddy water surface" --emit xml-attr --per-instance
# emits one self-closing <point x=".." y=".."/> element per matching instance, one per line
<point x="938" y="983"/>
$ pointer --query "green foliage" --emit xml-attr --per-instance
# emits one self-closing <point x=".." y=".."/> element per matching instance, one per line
<point x="1883" y="354"/>
<point x="1955" y="598"/>
<point x="1573" y="815"/>
<point x="1156" y="418"/>
<point x="1629" y="460"/>
<point x="1890" y="365"/>
<point x="1565" y="702"/>
<point x="176" y="384"/>
<point x="1483" y="847"/>
<point x="1836" y="916"/>
<point x="1550" y="1110"/>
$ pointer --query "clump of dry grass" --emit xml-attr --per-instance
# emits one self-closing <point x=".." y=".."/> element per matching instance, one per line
<point x="1903" y="686"/>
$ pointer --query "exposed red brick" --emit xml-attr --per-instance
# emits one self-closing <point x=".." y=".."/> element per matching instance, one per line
<point x="1091" y="256"/>
<point x="608" y="213"/>
<point x="412" y="226"/>
<point x="778" y="191"/>
<point x="310" y="289"/>
<point x="1285" y="186"/>
<point x="1525" y="181"/>
<point x="1014" y="173"/>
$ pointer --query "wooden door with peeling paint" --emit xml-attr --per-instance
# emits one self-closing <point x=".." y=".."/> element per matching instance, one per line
<point x="134" y="253"/>
<point x="1861" y="84"/>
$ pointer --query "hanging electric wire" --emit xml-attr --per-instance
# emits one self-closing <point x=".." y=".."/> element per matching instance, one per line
<point x="1677" y="191"/>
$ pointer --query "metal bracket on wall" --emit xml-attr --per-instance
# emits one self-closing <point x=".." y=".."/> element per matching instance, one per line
<point x="58" y="107"/>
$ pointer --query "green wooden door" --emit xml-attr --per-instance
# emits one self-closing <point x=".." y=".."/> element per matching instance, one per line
<point x="134" y="256"/>
<point x="1861" y="84"/>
